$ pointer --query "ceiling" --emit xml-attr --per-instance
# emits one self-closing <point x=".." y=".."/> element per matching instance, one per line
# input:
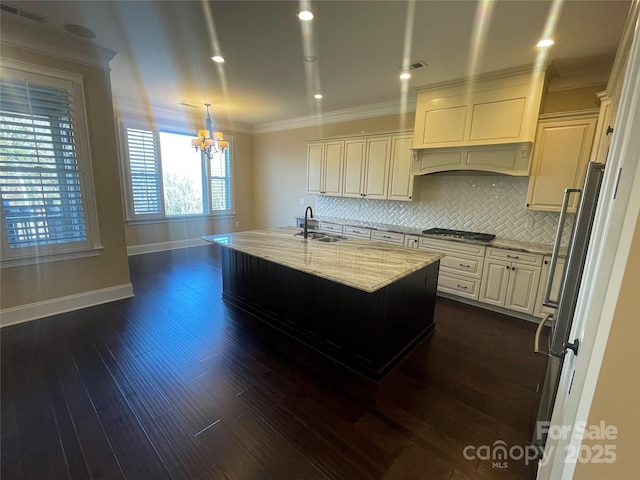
<point x="164" y="49"/>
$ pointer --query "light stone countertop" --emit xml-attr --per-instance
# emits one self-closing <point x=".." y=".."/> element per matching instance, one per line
<point x="360" y="264"/>
<point x="503" y="243"/>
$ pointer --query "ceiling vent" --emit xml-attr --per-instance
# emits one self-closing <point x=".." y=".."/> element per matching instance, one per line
<point x="22" y="13"/>
<point x="415" y="66"/>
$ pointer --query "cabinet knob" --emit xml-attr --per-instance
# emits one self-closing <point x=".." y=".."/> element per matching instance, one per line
<point x="513" y="268"/>
<point x="507" y="267"/>
<point x="609" y="130"/>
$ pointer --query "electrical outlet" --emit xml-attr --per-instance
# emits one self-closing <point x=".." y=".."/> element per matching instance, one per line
<point x="530" y="223"/>
<point x="302" y="201"/>
<point x="237" y="223"/>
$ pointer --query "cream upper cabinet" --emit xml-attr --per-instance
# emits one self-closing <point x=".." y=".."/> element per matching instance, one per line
<point x="561" y="153"/>
<point x="400" y="176"/>
<point x="377" y="166"/>
<point x="376" y="177"/>
<point x="324" y="167"/>
<point x="366" y="167"/>
<point x="315" y="171"/>
<point x="354" y="167"/>
<point x="493" y="109"/>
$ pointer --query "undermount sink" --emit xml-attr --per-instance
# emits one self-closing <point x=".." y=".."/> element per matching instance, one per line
<point x="331" y="238"/>
<point x="322" y="237"/>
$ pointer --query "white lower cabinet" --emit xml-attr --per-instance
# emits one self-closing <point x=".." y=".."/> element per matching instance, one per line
<point x="330" y="227"/>
<point x="388" y="237"/>
<point x="357" y="232"/>
<point x="511" y="279"/>
<point x="411" y="241"/>
<point x="460" y="268"/>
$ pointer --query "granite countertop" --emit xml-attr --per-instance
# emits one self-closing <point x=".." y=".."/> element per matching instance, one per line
<point x="503" y="243"/>
<point x="360" y="264"/>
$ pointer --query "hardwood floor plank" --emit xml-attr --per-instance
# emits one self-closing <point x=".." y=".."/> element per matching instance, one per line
<point x="71" y="447"/>
<point x="174" y="383"/>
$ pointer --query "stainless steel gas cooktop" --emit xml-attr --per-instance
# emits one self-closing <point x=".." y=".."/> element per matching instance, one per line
<point x="443" y="232"/>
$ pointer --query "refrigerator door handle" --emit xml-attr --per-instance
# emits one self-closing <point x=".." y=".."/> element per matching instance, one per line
<point x="536" y="342"/>
<point x="547" y="302"/>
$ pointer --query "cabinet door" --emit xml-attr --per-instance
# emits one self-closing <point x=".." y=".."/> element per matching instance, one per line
<point x="522" y="288"/>
<point x="377" y="172"/>
<point x="354" y="168"/>
<point x="560" y="158"/>
<point x="333" y="157"/>
<point x="400" y="177"/>
<point x="315" y="158"/>
<point x="495" y="279"/>
<point x="441" y="122"/>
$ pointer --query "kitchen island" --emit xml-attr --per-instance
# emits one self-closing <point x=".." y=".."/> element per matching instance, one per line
<point x="364" y="304"/>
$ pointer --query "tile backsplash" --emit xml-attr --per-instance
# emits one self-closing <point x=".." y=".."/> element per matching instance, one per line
<point x="474" y="202"/>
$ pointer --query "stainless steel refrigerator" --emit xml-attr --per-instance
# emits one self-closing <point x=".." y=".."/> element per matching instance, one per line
<point x="562" y="318"/>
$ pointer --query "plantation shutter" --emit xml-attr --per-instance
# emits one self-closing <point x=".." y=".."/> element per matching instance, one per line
<point x="40" y="182"/>
<point x="221" y="181"/>
<point x="144" y="171"/>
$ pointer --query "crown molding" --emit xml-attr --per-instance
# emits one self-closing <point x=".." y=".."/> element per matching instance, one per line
<point x="338" y="116"/>
<point x="23" y="35"/>
<point x="127" y="110"/>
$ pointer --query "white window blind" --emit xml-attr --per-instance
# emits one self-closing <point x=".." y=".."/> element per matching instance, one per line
<point x="144" y="172"/>
<point x="40" y="182"/>
<point x="221" y="181"/>
<point x="167" y="178"/>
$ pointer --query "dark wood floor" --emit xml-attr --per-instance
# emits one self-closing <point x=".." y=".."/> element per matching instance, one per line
<point x="175" y="384"/>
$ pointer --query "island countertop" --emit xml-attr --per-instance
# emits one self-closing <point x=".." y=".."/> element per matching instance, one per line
<point x="360" y="264"/>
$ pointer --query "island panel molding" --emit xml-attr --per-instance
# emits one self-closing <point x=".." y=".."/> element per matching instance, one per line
<point x="367" y="331"/>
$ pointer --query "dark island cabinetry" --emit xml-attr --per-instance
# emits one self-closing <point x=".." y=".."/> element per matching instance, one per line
<point x="368" y="332"/>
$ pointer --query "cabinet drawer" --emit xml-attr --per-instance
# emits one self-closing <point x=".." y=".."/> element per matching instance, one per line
<point x="467" y="266"/>
<point x="356" y="232"/>
<point x="452" y="247"/>
<point x="330" y="227"/>
<point x="516" y="257"/>
<point x="390" y="237"/>
<point x="463" y="287"/>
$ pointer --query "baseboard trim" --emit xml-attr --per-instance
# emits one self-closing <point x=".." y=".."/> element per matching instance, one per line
<point x="493" y="308"/>
<point x="162" y="246"/>
<point x="55" y="306"/>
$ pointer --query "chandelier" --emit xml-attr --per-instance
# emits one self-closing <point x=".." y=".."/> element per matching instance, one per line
<point x="205" y="143"/>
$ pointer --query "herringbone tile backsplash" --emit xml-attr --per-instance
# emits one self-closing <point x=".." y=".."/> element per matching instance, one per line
<point x="478" y="203"/>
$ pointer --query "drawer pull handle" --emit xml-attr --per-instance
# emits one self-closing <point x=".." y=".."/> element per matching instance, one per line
<point x="462" y="286"/>
<point x="386" y="236"/>
<point x="465" y="266"/>
<point x="512" y="256"/>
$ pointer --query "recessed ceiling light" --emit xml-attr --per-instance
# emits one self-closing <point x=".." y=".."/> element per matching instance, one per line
<point x="310" y="58"/>
<point x="80" y="31"/>
<point x="545" y="42"/>
<point x="405" y="76"/>
<point x="318" y="96"/>
<point x="218" y="58"/>
<point x="305" y="15"/>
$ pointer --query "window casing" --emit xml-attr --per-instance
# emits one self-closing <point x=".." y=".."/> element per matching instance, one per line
<point x="167" y="179"/>
<point x="46" y="187"/>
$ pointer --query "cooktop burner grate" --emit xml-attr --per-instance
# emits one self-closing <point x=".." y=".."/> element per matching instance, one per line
<point x="443" y="232"/>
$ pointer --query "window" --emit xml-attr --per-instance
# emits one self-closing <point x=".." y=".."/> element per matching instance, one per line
<point x="168" y="178"/>
<point x="44" y="166"/>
